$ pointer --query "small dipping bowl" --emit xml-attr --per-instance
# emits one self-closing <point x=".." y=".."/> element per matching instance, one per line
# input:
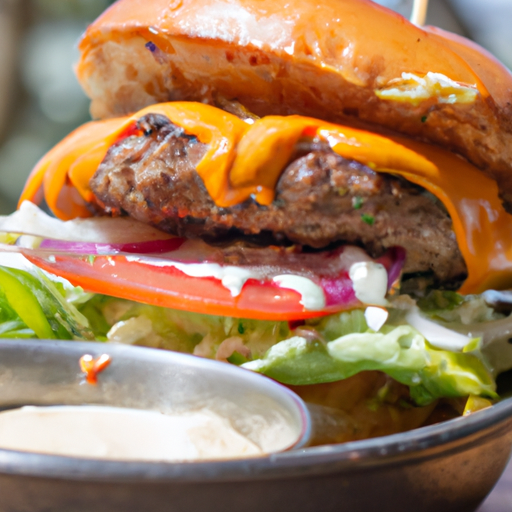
<point x="47" y="373"/>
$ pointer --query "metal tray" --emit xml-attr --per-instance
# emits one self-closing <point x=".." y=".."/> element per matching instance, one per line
<point x="446" y="467"/>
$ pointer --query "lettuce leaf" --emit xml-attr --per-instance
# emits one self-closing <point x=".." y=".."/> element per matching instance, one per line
<point x="402" y="353"/>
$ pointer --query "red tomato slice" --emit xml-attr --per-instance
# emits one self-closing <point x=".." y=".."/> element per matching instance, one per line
<point x="171" y="288"/>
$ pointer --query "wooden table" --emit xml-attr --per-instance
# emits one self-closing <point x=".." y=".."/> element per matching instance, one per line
<point x="500" y="500"/>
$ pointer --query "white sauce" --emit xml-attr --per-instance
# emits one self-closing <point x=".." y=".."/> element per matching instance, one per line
<point x="122" y="434"/>
<point x="375" y="317"/>
<point x="312" y="295"/>
<point x="370" y="281"/>
<point x="233" y="278"/>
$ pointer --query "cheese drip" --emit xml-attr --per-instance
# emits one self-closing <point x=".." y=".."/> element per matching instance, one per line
<point x="246" y="160"/>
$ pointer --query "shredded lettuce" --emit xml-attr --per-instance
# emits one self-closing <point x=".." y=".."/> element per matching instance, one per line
<point x="440" y="301"/>
<point x="184" y="331"/>
<point x="450" y="307"/>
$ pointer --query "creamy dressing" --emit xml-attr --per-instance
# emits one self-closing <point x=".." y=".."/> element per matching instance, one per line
<point x="233" y="278"/>
<point x="375" y="317"/>
<point x="312" y="295"/>
<point x="370" y="282"/>
<point x="122" y="434"/>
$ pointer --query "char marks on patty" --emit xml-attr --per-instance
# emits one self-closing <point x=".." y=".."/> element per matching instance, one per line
<point x="321" y="199"/>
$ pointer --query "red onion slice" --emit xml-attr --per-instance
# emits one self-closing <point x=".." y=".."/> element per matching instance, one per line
<point x="147" y="247"/>
<point x="394" y="261"/>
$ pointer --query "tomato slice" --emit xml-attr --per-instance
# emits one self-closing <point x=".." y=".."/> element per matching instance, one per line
<point x="169" y="287"/>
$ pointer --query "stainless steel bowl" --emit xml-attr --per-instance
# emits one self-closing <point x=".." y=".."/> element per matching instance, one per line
<point x="48" y="373"/>
<point x="446" y="467"/>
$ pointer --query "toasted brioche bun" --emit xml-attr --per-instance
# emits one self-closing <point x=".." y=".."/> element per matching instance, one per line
<point x="325" y="59"/>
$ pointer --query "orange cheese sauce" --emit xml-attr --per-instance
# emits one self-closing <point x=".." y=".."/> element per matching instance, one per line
<point x="246" y="160"/>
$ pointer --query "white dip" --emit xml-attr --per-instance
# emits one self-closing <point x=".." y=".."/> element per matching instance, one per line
<point x="122" y="434"/>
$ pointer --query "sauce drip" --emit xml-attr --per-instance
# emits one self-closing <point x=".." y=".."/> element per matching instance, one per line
<point x="92" y="366"/>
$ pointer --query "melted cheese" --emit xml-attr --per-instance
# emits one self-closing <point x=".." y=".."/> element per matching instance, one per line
<point x="482" y="226"/>
<point x="246" y="160"/>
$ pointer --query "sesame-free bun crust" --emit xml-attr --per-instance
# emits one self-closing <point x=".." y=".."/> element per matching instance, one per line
<point x="324" y="59"/>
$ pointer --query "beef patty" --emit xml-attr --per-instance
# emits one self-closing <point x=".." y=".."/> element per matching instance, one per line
<point x="321" y="198"/>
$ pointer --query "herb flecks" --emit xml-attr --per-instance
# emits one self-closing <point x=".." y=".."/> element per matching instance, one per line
<point x="357" y="202"/>
<point x="368" y="219"/>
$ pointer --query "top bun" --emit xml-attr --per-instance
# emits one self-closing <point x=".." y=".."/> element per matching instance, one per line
<point x="338" y="60"/>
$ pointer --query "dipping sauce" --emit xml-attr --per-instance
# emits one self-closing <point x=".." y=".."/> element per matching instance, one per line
<point x="105" y="432"/>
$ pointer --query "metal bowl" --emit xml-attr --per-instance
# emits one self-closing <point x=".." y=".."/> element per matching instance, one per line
<point x="48" y="373"/>
<point x="446" y="467"/>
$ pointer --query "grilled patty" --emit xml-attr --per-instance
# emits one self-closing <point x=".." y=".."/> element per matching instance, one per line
<point x="321" y="198"/>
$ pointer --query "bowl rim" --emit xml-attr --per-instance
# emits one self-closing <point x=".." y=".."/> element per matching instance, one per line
<point x="350" y="456"/>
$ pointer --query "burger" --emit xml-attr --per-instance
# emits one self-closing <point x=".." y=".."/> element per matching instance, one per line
<point x="316" y="192"/>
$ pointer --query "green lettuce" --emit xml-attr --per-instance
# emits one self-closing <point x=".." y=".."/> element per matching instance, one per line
<point x="33" y="305"/>
<point x="181" y="331"/>
<point x="402" y="353"/>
